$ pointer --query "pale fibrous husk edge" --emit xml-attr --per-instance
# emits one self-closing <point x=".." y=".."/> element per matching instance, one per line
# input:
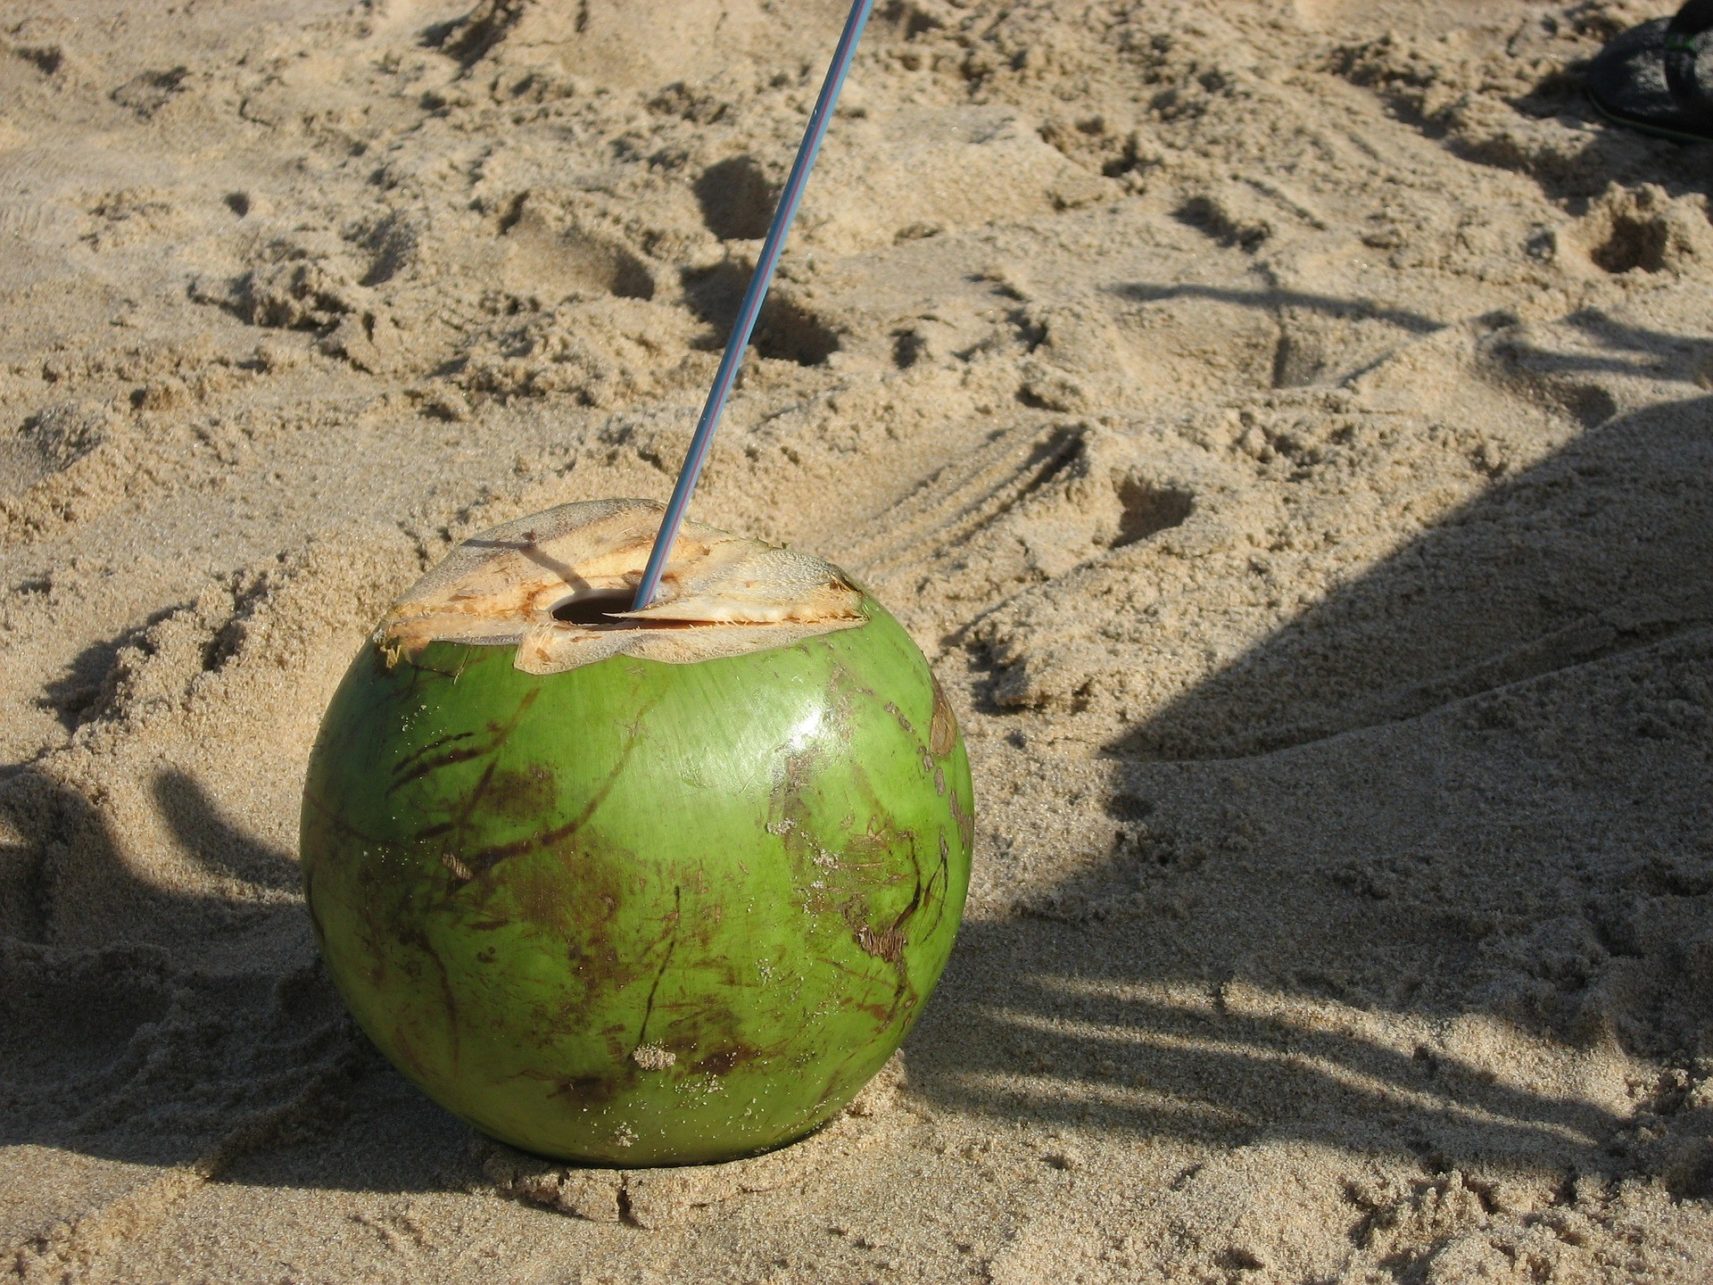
<point x="720" y="594"/>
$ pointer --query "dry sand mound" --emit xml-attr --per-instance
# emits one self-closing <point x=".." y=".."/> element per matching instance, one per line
<point x="1286" y="427"/>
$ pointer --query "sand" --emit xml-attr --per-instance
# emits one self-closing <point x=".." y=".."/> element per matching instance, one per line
<point x="1286" y="427"/>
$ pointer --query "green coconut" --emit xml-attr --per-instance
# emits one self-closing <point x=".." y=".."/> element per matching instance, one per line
<point x="636" y="888"/>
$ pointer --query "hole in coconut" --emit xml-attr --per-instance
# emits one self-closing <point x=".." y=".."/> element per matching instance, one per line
<point x="593" y="608"/>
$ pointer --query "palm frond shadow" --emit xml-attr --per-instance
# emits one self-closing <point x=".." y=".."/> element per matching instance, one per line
<point x="1452" y="816"/>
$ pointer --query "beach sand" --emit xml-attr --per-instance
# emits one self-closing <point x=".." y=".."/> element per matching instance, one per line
<point x="1286" y="428"/>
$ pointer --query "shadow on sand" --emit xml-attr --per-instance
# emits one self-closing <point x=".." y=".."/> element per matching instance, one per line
<point x="206" y="1034"/>
<point x="1461" y="801"/>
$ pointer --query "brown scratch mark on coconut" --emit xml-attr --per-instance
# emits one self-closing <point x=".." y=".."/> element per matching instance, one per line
<point x="371" y="924"/>
<point x="943" y="726"/>
<point x="964" y="819"/>
<point x="440" y="742"/>
<point x="485" y="859"/>
<point x="918" y="895"/>
<point x="887" y="945"/>
<point x="410" y="933"/>
<point x="786" y="805"/>
<point x="309" y="900"/>
<point x="879" y="1013"/>
<point x="525" y="795"/>
<point x="942" y="876"/>
<point x="540" y="899"/>
<point x="843" y="680"/>
<point x="673" y="921"/>
<point x="388" y="655"/>
<point x="590" y="1090"/>
<point x="434" y="764"/>
<point x="460" y="871"/>
<point x="499" y="732"/>
<point x="728" y="1060"/>
<point x="415" y="767"/>
<point x="473" y="800"/>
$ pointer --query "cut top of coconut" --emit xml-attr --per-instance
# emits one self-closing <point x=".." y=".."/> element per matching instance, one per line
<point x="557" y="586"/>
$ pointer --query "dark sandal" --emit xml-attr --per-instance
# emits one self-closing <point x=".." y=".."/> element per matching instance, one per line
<point x="1647" y="77"/>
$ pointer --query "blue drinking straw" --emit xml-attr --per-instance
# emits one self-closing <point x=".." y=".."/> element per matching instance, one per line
<point x="727" y="374"/>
